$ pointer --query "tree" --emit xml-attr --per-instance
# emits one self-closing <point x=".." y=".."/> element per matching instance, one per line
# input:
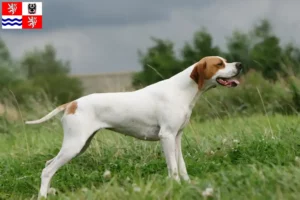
<point x="266" y="57"/>
<point x="239" y="47"/>
<point x="202" y="45"/>
<point x="260" y="49"/>
<point x="37" y="63"/>
<point x="257" y="49"/>
<point x="43" y="69"/>
<point x="291" y="59"/>
<point x="4" y="52"/>
<point x="8" y="69"/>
<point x="262" y="30"/>
<point x="60" y="88"/>
<point x="159" y="62"/>
<point x="266" y="54"/>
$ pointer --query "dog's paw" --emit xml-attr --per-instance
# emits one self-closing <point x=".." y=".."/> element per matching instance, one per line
<point x="188" y="181"/>
<point x="52" y="191"/>
<point x="186" y="178"/>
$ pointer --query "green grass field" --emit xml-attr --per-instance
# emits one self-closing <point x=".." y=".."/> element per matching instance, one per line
<point x="240" y="158"/>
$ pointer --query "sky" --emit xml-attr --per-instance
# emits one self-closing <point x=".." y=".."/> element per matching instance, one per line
<point x="101" y="36"/>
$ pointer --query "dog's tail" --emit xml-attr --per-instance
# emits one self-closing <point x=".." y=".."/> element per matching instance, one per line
<point x="49" y="115"/>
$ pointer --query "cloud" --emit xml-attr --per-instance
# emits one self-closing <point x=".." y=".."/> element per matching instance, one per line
<point x="110" y="40"/>
<point x="78" y="13"/>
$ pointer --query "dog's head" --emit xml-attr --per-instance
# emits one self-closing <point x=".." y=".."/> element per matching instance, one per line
<point x="31" y="8"/>
<point x="214" y="70"/>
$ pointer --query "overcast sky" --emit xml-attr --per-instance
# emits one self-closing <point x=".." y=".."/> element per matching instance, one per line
<point x="100" y="36"/>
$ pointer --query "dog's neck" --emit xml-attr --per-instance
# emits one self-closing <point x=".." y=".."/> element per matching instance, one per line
<point x="188" y="88"/>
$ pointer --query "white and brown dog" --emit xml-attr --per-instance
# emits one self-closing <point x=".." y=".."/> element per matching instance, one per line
<point x="157" y="112"/>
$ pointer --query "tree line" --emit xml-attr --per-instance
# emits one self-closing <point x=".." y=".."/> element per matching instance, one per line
<point x="40" y="72"/>
<point x="259" y="49"/>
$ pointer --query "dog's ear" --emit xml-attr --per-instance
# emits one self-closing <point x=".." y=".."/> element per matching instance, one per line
<point x="198" y="74"/>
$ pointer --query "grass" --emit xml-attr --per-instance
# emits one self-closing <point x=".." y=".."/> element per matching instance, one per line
<point x="256" y="157"/>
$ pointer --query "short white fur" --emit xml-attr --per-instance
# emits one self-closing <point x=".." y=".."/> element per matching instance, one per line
<point x="158" y="112"/>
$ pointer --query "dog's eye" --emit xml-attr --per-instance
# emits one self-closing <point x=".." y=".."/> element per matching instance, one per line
<point x="220" y="64"/>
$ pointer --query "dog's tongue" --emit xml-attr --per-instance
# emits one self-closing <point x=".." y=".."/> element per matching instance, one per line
<point x="233" y="83"/>
<point x="230" y="83"/>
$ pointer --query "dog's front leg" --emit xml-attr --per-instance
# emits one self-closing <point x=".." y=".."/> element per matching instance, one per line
<point x="167" y="139"/>
<point x="181" y="164"/>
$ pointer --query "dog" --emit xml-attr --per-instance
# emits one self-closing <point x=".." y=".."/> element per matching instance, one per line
<point x="158" y="112"/>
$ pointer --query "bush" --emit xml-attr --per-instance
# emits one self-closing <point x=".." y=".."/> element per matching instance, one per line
<point x="45" y="72"/>
<point x="255" y="94"/>
<point x="59" y="88"/>
<point x="295" y="88"/>
<point x="22" y="90"/>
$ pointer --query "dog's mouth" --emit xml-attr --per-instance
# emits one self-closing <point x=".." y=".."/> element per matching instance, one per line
<point x="228" y="82"/>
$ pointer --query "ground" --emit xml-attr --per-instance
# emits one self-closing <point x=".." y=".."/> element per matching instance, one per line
<point x="237" y="158"/>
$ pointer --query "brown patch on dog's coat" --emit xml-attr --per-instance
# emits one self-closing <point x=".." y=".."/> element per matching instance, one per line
<point x="206" y="68"/>
<point x="71" y="107"/>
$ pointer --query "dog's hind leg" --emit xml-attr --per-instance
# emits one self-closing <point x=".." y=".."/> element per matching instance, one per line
<point x="49" y="161"/>
<point x="76" y="139"/>
<point x="87" y="144"/>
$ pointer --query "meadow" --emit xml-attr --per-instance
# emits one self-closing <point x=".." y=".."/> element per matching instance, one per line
<point x="252" y="157"/>
<point x="241" y="143"/>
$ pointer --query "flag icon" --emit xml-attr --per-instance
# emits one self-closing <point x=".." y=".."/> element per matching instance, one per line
<point x="11" y="8"/>
<point x="11" y="22"/>
<point x="32" y="22"/>
<point x="22" y="15"/>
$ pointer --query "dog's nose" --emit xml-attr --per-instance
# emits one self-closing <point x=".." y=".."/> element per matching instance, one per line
<point x="239" y="65"/>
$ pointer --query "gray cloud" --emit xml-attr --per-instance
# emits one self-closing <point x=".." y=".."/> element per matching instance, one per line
<point x="110" y="41"/>
<point x="67" y="13"/>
